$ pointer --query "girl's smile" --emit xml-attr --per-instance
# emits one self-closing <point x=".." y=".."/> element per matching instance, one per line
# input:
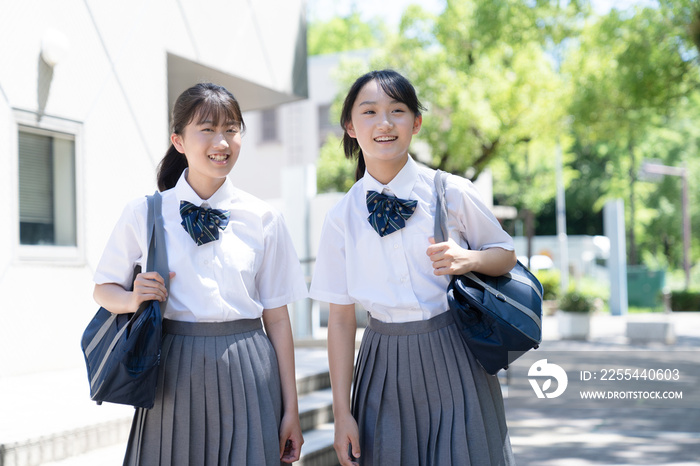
<point x="211" y="150"/>
<point x="383" y="127"/>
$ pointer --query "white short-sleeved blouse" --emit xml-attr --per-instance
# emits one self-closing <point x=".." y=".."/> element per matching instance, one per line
<point x="392" y="276"/>
<point x="251" y="267"/>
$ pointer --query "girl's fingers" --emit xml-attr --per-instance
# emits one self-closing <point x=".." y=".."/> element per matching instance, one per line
<point x="149" y="286"/>
<point x="153" y="276"/>
<point x="291" y="452"/>
<point x="355" y="443"/>
<point x="342" y="451"/>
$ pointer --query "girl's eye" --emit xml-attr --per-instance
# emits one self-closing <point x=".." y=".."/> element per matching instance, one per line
<point x="368" y="112"/>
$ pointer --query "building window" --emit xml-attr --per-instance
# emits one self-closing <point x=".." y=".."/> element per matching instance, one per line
<point x="47" y="189"/>
<point x="269" y="125"/>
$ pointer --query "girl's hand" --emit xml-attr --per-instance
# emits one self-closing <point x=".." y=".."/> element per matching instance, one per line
<point x="347" y="435"/>
<point x="148" y="286"/>
<point x="449" y="258"/>
<point x="291" y="438"/>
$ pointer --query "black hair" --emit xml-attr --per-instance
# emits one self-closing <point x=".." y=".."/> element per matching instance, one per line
<point x="203" y="101"/>
<point x="395" y="86"/>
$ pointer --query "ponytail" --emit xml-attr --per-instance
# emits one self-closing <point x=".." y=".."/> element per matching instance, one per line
<point x="170" y="168"/>
<point x="352" y="150"/>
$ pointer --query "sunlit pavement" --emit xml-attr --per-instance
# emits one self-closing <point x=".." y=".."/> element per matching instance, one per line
<point x="554" y="434"/>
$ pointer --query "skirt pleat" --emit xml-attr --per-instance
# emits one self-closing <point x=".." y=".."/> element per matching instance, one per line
<point x="421" y="398"/>
<point x="218" y="400"/>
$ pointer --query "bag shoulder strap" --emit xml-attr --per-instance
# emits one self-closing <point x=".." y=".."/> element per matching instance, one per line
<point x="157" y="254"/>
<point x="157" y="259"/>
<point x="440" y="230"/>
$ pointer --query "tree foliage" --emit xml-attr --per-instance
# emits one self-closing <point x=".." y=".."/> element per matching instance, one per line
<point x="342" y="34"/>
<point x="633" y="74"/>
<point x="506" y="83"/>
<point x="333" y="171"/>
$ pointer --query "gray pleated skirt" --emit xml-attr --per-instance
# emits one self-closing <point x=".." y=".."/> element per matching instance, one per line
<point x="420" y="398"/>
<point x="218" y="399"/>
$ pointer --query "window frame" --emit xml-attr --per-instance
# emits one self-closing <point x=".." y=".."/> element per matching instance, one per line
<point x="55" y="127"/>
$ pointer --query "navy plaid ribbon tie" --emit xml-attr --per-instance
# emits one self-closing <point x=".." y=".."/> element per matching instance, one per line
<point x="202" y="224"/>
<point x="388" y="214"/>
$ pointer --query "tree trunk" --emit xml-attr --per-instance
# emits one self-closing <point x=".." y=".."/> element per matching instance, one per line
<point x="529" y="233"/>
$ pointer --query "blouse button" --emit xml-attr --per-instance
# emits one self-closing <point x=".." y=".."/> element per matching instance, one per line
<point x="396" y="246"/>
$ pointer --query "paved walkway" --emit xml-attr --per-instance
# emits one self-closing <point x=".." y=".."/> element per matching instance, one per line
<point x="542" y="435"/>
<point x="554" y="434"/>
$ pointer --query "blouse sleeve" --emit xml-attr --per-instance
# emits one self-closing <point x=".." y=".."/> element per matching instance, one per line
<point x="329" y="282"/>
<point x="476" y="223"/>
<point x="280" y="279"/>
<point x="125" y="248"/>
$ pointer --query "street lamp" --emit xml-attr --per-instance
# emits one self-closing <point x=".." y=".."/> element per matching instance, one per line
<point x="651" y="168"/>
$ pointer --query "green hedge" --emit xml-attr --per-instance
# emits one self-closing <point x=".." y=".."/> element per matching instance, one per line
<point x="550" y="280"/>
<point x="576" y="301"/>
<point x="685" y="301"/>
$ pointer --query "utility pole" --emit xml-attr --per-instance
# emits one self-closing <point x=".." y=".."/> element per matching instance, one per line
<point x="650" y="168"/>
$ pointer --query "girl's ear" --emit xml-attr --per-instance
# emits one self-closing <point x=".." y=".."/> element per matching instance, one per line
<point x="176" y="139"/>
<point x="350" y="129"/>
<point x="417" y="123"/>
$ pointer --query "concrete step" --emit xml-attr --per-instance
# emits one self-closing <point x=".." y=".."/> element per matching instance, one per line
<point x="315" y="408"/>
<point x="316" y="451"/>
<point x="107" y="456"/>
<point x="316" y="417"/>
<point x="318" y="447"/>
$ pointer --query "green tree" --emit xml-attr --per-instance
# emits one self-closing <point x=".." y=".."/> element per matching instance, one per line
<point x="504" y="81"/>
<point x="495" y="98"/>
<point x="334" y="173"/>
<point x="487" y="92"/>
<point x="343" y="34"/>
<point x="630" y="72"/>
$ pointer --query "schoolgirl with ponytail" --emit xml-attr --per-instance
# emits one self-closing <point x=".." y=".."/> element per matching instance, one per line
<point x="226" y="393"/>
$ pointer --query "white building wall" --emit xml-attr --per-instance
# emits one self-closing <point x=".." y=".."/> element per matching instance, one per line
<point x="113" y="86"/>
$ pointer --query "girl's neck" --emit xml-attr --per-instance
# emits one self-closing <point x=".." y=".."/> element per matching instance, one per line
<point x="385" y="170"/>
<point x="205" y="188"/>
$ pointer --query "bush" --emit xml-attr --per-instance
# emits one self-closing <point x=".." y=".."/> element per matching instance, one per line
<point x="685" y="301"/>
<point x="575" y="301"/>
<point x="551" y="281"/>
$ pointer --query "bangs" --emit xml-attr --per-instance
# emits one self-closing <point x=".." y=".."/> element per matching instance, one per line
<point x="399" y="89"/>
<point x="219" y="111"/>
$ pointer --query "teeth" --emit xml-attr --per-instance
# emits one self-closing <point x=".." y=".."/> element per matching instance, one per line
<point x="218" y="157"/>
<point x="385" y="138"/>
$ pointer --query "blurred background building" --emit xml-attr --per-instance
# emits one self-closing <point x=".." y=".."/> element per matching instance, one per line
<point x="86" y="89"/>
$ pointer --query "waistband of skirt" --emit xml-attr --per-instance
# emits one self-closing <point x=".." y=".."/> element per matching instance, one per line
<point x="411" y="328"/>
<point x="211" y="329"/>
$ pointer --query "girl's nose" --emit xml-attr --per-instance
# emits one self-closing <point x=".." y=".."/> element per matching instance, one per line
<point x="220" y="140"/>
<point x="386" y="122"/>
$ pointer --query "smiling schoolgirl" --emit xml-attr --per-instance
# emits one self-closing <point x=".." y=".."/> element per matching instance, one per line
<point x="226" y="392"/>
<point x="418" y="395"/>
